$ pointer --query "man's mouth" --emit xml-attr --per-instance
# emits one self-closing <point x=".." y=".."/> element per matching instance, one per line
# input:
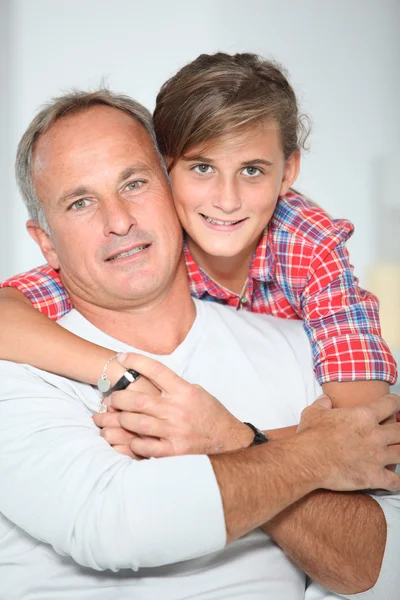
<point x="219" y="221"/>
<point x="128" y="252"/>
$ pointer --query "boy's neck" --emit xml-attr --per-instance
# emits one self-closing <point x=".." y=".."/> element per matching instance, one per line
<point x="229" y="272"/>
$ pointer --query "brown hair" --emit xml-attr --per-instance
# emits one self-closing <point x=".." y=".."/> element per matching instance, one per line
<point x="220" y="93"/>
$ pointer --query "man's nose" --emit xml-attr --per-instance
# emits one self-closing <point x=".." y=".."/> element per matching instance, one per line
<point x="117" y="215"/>
<point x="227" y="196"/>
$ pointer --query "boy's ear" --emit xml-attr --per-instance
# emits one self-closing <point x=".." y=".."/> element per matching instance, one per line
<point x="290" y="172"/>
<point x="44" y="241"/>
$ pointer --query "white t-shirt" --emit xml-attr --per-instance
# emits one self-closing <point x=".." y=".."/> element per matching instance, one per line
<point x="80" y="521"/>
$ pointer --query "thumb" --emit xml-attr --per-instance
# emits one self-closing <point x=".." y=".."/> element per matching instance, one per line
<point x="322" y="402"/>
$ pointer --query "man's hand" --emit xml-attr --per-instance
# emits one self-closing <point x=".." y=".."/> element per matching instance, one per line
<point x="184" y="419"/>
<point x="353" y="445"/>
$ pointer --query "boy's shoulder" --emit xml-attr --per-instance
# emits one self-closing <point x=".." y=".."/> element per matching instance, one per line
<point x="297" y="217"/>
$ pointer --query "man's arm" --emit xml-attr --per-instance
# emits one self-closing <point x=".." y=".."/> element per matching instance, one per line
<point x="64" y="485"/>
<point x="338" y="539"/>
<point x="345" y="546"/>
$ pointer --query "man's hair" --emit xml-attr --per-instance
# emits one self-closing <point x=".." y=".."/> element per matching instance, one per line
<point x="68" y="104"/>
<point x="219" y="94"/>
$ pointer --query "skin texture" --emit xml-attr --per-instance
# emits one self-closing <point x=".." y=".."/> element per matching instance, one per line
<point x="103" y="197"/>
<point x="234" y="178"/>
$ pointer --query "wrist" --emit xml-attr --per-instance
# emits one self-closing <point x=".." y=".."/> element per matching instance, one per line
<point x="313" y="466"/>
<point x="115" y="371"/>
<point x="242" y="439"/>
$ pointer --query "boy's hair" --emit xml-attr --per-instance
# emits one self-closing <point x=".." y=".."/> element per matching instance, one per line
<point x="217" y="94"/>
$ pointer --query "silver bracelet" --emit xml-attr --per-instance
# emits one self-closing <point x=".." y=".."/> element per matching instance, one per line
<point x="104" y="383"/>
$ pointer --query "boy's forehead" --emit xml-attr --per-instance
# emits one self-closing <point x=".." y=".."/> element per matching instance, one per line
<point x="260" y="133"/>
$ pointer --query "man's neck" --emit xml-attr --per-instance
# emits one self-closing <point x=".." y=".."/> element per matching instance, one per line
<point x="158" y="325"/>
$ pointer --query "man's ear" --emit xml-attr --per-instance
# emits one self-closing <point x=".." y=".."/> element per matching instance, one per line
<point x="290" y="172"/>
<point x="45" y="242"/>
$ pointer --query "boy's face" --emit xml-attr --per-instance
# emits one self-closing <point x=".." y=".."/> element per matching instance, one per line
<point x="225" y="192"/>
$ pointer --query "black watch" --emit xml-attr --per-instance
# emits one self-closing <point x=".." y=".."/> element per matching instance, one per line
<point x="259" y="436"/>
<point x="127" y="378"/>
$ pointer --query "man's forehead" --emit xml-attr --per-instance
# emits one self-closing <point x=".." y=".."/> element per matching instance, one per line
<point x="88" y="130"/>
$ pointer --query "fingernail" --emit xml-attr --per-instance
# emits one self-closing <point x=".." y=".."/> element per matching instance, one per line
<point x="122" y="357"/>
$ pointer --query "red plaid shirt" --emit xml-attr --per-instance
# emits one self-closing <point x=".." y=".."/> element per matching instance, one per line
<point x="300" y="270"/>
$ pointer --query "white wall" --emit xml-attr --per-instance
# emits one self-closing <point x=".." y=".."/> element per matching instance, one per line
<point x="343" y="57"/>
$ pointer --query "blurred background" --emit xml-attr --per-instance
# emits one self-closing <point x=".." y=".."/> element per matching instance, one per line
<point x="343" y="58"/>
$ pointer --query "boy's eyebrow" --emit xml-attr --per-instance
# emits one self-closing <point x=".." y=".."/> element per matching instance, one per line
<point x="197" y="157"/>
<point x="204" y="159"/>
<point x="257" y="161"/>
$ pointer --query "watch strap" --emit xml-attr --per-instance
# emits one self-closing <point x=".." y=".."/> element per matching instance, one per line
<point x="259" y="436"/>
<point x="130" y="376"/>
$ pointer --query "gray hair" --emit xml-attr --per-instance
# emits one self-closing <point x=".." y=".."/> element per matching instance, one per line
<point x="71" y="103"/>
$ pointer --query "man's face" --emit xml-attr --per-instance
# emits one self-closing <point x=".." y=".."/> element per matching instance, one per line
<point x="115" y="234"/>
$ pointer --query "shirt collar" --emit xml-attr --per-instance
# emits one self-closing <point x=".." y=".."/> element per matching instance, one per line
<point x="261" y="269"/>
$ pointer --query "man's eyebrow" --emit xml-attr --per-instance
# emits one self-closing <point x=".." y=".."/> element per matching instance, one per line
<point x="81" y="190"/>
<point x="138" y="169"/>
<point x="73" y="193"/>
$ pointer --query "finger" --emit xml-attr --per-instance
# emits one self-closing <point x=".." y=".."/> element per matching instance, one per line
<point x="106" y="419"/>
<point x="116" y="436"/>
<point x="391" y="481"/>
<point x="150" y="447"/>
<point x="392" y="432"/>
<point x="139" y="402"/>
<point x="144" y="424"/>
<point x="123" y="449"/>
<point x="159" y="374"/>
<point x="322" y="402"/>
<point x="385" y="407"/>
<point x="392" y="455"/>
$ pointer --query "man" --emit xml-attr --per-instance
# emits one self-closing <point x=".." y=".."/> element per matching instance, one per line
<point x="80" y="520"/>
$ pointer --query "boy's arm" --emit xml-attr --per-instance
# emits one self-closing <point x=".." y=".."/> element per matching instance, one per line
<point x="352" y="393"/>
<point x="342" y="323"/>
<point x="28" y="336"/>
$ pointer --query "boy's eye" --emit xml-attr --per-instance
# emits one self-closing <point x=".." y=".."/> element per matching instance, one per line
<point x="251" y="171"/>
<point x="134" y="185"/>
<point x="203" y="169"/>
<point x="79" y="204"/>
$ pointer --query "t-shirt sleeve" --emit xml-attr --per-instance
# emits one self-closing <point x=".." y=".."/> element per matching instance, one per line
<point x="64" y="485"/>
<point x="44" y="289"/>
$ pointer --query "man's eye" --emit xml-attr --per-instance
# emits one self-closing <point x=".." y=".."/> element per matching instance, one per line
<point x="251" y="171"/>
<point x="134" y="185"/>
<point x="202" y="169"/>
<point x="79" y="204"/>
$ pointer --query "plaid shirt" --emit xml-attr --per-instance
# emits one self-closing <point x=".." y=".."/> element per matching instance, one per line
<point x="300" y="270"/>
